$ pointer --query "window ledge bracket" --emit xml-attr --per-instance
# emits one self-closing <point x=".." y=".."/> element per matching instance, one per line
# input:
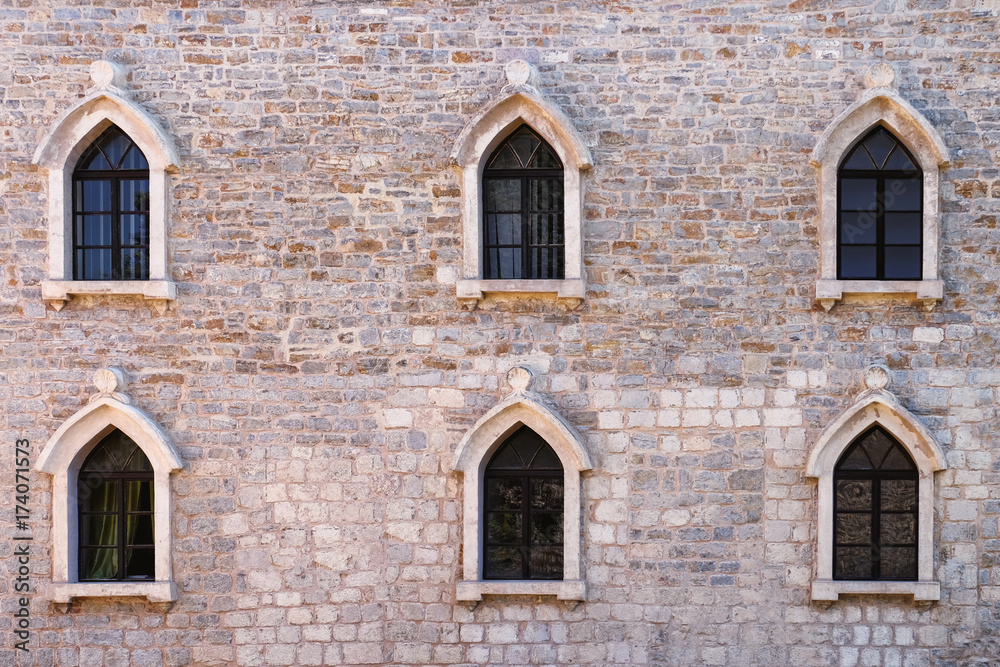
<point x="928" y="292"/>
<point x="473" y="591"/>
<point x="471" y="291"/>
<point x="830" y="590"/>
<point x="157" y="292"/>
<point x="154" y="591"/>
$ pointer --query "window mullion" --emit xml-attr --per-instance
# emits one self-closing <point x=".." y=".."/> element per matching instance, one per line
<point x="526" y="272"/>
<point x="880" y="226"/>
<point x="876" y="527"/>
<point x="121" y="530"/>
<point x="116" y="239"/>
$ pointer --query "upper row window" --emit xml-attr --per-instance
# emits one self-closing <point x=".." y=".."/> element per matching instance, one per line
<point x="111" y="210"/>
<point x="880" y="212"/>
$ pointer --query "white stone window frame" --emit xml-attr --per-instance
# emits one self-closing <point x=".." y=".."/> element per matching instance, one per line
<point x="520" y="408"/>
<point x="522" y="104"/>
<point x="62" y="457"/>
<point x="108" y="103"/>
<point x="881" y="105"/>
<point x="876" y="406"/>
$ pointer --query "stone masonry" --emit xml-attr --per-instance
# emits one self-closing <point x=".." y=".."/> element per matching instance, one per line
<point x="316" y="370"/>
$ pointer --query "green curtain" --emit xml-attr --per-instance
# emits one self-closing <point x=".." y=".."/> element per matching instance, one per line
<point x="133" y="498"/>
<point x="104" y="532"/>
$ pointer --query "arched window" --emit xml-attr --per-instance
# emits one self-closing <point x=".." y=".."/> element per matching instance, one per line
<point x="523" y="510"/>
<point x="880" y="211"/>
<point x="111" y="210"/>
<point x="875" y="510"/>
<point x="115" y="500"/>
<point x="523" y="210"/>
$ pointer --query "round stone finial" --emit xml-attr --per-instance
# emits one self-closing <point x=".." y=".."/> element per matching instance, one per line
<point x="109" y="380"/>
<point x="876" y="376"/>
<point x="519" y="378"/>
<point x="105" y="73"/>
<point x="521" y="72"/>
<point x="881" y="75"/>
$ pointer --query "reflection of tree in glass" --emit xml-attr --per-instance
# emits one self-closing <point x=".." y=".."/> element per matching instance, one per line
<point x="141" y="201"/>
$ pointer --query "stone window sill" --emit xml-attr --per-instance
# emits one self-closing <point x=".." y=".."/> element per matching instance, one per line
<point x="471" y="291"/>
<point x="830" y="590"/>
<point x="154" y="591"/>
<point x="928" y="292"/>
<point x="471" y="591"/>
<point x="158" y="292"/>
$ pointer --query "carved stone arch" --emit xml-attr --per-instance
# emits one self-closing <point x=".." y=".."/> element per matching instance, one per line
<point x="876" y="407"/>
<point x="489" y="432"/>
<point x="70" y="135"/>
<point x="880" y="105"/>
<point x="522" y="104"/>
<point x="62" y="458"/>
<point x="522" y="407"/>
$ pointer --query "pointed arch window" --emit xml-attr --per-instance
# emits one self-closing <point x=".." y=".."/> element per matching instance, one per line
<point x="880" y="211"/>
<point x="115" y="500"/>
<point x="875" y="510"/>
<point x="111" y="210"/>
<point x="523" y="510"/>
<point x="523" y="210"/>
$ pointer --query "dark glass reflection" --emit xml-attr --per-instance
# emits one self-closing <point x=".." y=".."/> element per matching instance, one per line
<point x="111" y="210"/>
<point x="879" y="211"/>
<point x="523" y="510"/>
<point x="523" y="210"/>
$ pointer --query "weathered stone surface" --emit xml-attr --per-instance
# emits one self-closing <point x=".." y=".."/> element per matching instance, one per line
<point x="316" y="370"/>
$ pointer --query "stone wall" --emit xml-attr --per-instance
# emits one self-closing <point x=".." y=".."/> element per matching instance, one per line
<point x="316" y="371"/>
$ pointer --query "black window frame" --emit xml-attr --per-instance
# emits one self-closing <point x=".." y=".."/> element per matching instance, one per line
<point x="876" y="476"/>
<point x="525" y="176"/>
<point x="114" y="177"/>
<point x="89" y="480"/>
<point x="526" y="512"/>
<point x="880" y="176"/>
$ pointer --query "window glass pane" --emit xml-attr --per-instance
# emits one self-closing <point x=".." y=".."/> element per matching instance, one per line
<point x="853" y="528"/>
<point x="902" y="194"/>
<point x="902" y="228"/>
<point x="99" y="564"/>
<point x="97" y="264"/>
<point x="524" y="143"/>
<point x="93" y="196"/>
<point x="547" y="493"/>
<point x="140" y="563"/>
<point x="879" y="146"/>
<point x="97" y="495"/>
<point x="134" y="159"/>
<point x="96" y="230"/>
<point x="115" y="144"/>
<point x="545" y="158"/>
<point x="139" y="530"/>
<point x="503" y="563"/>
<point x="852" y="563"/>
<point x="546" y="529"/>
<point x="135" y="265"/>
<point x="861" y="227"/>
<point x="898" y="562"/>
<point x="857" y="262"/>
<point x="503" y="528"/>
<point x="877" y="443"/>
<point x="899" y="494"/>
<point x="134" y="195"/>
<point x="897" y="529"/>
<point x="859" y="160"/>
<point x="94" y="161"/>
<point x="902" y="263"/>
<point x="546" y="563"/>
<point x="139" y="495"/>
<point x="899" y="161"/>
<point x="504" y="494"/>
<point x="857" y="194"/>
<point x="854" y="494"/>
<point x="133" y="230"/>
<point x="99" y="530"/>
